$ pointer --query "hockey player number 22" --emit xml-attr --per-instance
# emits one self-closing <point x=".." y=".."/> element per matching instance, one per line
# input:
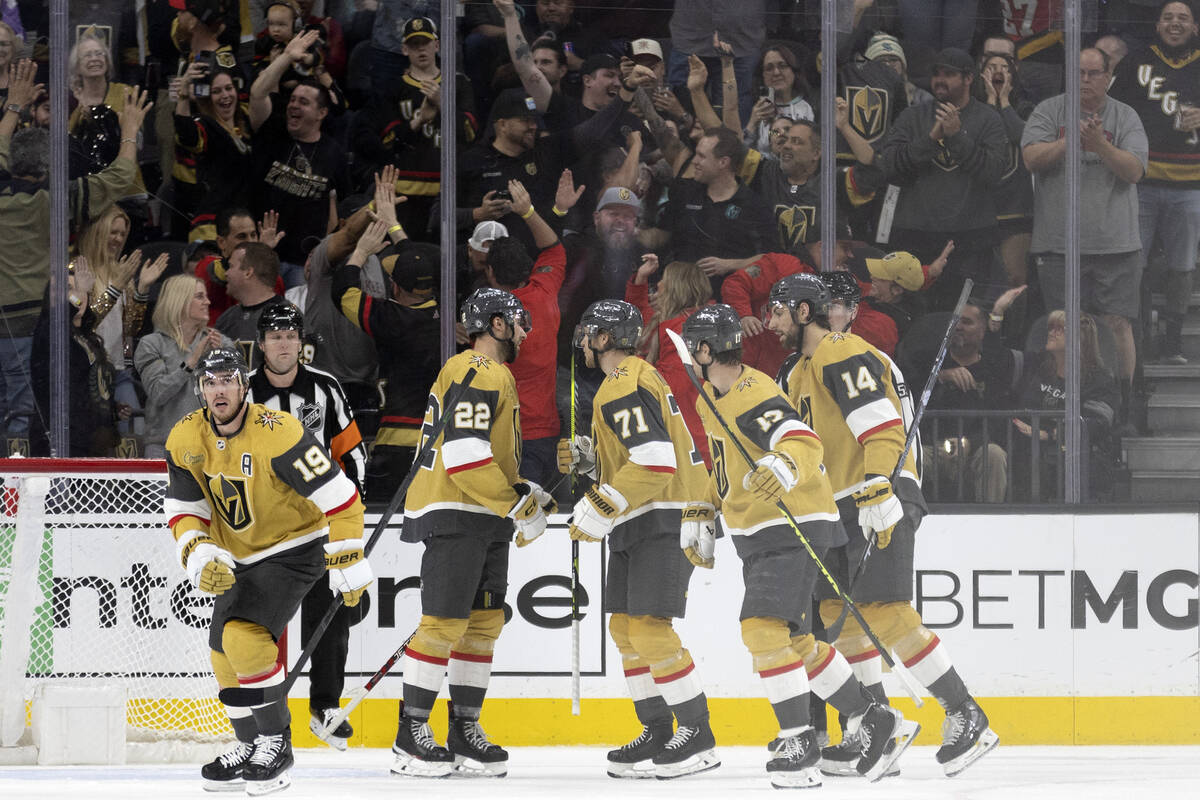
<point x="313" y="464"/>
<point x="477" y="416"/>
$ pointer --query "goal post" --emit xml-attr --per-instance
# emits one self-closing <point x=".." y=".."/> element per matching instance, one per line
<point x="91" y="594"/>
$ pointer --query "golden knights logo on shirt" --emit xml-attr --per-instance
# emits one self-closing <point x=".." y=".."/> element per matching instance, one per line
<point x="231" y="499"/>
<point x="269" y="419"/>
<point x="869" y="109"/>
<point x="794" y="224"/>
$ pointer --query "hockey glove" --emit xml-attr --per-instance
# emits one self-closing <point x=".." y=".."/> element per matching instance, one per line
<point x="878" y="510"/>
<point x="595" y="513"/>
<point x="774" y="475"/>
<point x="349" y="571"/>
<point x="577" y="455"/>
<point x="529" y="520"/>
<point x="209" y="568"/>
<point x="698" y="534"/>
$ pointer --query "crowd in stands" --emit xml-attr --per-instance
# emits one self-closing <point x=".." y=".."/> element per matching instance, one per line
<point x="227" y="156"/>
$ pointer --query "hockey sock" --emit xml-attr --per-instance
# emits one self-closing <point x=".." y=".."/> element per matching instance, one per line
<point x="648" y="704"/>
<point x="251" y="651"/>
<point x="671" y="665"/>
<point x="470" y="666"/>
<point x="780" y="668"/>
<point x="927" y="659"/>
<point x="830" y="677"/>
<point x="245" y="728"/>
<point x="425" y="661"/>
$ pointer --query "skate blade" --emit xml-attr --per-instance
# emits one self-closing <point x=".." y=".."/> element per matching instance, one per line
<point x="326" y="735"/>
<point x="410" y="767"/>
<point x="701" y="762"/>
<point x="906" y="732"/>
<point x="639" y="770"/>
<point x="985" y="744"/>
<point x="276" y="784"/>
<point x="808" y="778"/>
<point x="235" y="785"/>
<point x="838" y="769"/>
<point x="470" y="768"/>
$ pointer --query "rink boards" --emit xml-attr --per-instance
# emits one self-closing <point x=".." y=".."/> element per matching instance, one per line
<point x="1069" y="628"/>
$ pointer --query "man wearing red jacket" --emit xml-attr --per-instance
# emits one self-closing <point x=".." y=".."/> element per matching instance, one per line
<point x="536" y="285"/>
<point x="746" y="291"/>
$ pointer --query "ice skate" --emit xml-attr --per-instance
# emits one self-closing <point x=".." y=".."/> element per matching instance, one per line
<point x="633" y="760"/>
<point x="473" y="754"/>
<point x="795" y="763"/>
<point x="224" y="773"/>
<point x="966" y="737"/>
<point x="883" y="735"/>
<point x="417" y="753"/>
<point x="339" y="737"/>
<point x="267" y="769"/>
<point x="841" y="759"/>
<point x="690" y="751"/>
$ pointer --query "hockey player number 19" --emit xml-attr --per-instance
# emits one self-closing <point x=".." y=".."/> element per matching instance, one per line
<point x="313" y="464"/>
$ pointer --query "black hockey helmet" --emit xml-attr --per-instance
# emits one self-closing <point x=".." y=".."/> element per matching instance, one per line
<point x="223" y="359"/>
<point x="842" y="286"/>
<point x="486" y="303"/>
<point x="801" y="287"/>
<point x="717" y="324"/>
<point x="280" y="317"/>
<point x="620" y="320"/>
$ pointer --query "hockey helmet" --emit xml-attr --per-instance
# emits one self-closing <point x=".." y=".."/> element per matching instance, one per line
<point x="486" y="303"/>
<point x="620" y="320"/>
<point x="717" y="324"/>
<point x="280" y="317"/>
<point x="217" y="362"/>
<point x="842" y="286"/>
<point x="801" y="287"/>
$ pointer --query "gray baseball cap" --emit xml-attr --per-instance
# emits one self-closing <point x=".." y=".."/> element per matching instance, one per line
<point x="619" y="196"/>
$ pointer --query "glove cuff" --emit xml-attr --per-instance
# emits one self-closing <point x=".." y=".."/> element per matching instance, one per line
<point x="607" y="500"/>
<point x="525" y="507"/>
<point x="699" y="512"/>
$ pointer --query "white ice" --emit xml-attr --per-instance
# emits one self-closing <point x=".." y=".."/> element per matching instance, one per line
<point x="1020" y="773"/>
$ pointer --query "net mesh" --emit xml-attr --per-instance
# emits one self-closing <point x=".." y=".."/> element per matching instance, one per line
<point x="110" y="604"/>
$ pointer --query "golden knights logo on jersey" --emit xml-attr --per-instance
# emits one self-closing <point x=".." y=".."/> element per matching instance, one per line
<point x="804" y="409"/>
<point x="870" y="110"/>
<point x="943" y="160"/>
<point x="230" y="499"/>
<point x="794" y="224"/>
<point x="269" y="419"/>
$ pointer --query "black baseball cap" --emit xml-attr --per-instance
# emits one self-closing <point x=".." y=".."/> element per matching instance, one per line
<point x="514" y="104"/>
<point x="956" y="59"/>
<point x="419" y="27"/>
<point x="598" y="61"/>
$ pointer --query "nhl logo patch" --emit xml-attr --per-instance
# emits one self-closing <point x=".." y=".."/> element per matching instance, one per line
<point x="312" y="416"/>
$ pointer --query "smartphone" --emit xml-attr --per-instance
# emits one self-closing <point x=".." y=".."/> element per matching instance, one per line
<point x="203" y="86"/>
<point x="503" y="194"/>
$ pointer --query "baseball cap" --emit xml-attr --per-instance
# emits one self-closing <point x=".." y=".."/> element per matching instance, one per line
<point x="419" y="27"/>
<point x="485" y="233"/>
<point x="619" y="196"/>
<point x="598" y="61"/>
<point x="513" y="104"/>
<point x="413" y="266"/>
<point x="901" y="267"/>
<point x="956" y="59"/>
<point x="882" y="44"/>
<point x="199" y="8"/>
<point x="646" y="47"/>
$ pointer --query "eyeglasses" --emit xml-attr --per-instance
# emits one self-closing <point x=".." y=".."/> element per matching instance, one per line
<point x="776" y="67"/>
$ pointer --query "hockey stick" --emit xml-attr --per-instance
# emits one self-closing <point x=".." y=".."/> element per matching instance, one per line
<point x="833" y="630"/>
<point x="256" y="696"/>
<point x="575" y="688"/>
<point x="690" y="368"/>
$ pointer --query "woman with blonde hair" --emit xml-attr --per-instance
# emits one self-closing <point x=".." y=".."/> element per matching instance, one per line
<point x="682" y="289"/>
<point x="123" y="286"/>
<point x="165" y="358"/>
<point x="10" y="44"/>
<point x="99" y="99"/>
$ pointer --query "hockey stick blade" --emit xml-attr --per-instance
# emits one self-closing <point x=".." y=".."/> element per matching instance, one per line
<point x="257" y="696"/>
<point x="689" y="366"/>
<point x="357" y="695"/>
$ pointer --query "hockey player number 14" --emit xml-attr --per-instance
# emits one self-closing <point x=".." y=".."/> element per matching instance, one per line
<point x="313" y="464"/>
<point x="864" y="382"/>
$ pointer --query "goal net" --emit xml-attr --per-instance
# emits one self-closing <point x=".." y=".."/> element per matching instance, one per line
<point x="92" y="594"/>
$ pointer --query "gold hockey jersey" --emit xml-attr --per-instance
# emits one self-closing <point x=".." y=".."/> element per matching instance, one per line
<point x="855" y="399"/>
<point x="644" y="451"/>
<point x="265" y="489"/>
<point x="465" y="482"/>
<point x="761" y="418"/>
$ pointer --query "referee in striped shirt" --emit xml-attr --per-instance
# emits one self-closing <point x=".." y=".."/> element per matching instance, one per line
<point x="316" y="399"/>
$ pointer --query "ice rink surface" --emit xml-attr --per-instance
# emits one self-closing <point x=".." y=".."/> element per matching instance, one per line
<point x="1016" y="773"/>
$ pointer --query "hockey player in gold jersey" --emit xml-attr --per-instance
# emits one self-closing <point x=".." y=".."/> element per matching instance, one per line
<point x="749" y="414"/>
<point x="463" y="505"/>
<point x="647" y="470"/>
<point x="851" y="395"/>
<point x="259" y="512"/>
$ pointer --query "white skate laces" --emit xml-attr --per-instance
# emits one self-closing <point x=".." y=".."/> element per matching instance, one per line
<point x="266" y="748"/>
<point x="236" y="754"/>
